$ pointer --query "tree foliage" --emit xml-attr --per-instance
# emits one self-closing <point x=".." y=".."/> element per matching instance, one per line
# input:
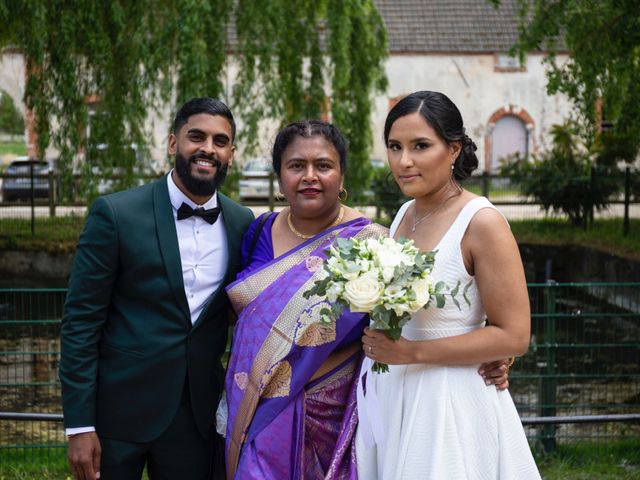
<point x="11" y="120"/>
<point x="387" y="194"/>
<point x="297" y="57"/>
<point x="602" y="38"/>
<point x="136" y="56"/>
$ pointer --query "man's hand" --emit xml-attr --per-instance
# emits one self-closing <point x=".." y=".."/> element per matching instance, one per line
<point x="84" y="456"/>
<point x="496" y="373"/>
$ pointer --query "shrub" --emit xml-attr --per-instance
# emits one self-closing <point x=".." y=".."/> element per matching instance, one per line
<point x="566" y="179"/>
<point x="387" y="195"/>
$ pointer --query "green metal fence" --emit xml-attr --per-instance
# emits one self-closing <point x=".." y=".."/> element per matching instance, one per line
<point x="29" y="354"/>
<point x="583" y="360"/>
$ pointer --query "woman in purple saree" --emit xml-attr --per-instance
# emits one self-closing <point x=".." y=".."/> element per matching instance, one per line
<point x="290" y="382"/>
<point x="283" y="423"/>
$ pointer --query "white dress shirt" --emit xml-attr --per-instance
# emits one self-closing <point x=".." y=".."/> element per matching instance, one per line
<point x="203" y="255"/>
<point x="203" y="251"/>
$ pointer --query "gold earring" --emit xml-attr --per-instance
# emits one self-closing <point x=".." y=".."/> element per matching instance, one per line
<point x="343" y="195"/>
<point x="280" y="196"/>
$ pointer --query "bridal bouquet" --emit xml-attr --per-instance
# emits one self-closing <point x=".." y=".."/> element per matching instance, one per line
<point x="388" y="279"/>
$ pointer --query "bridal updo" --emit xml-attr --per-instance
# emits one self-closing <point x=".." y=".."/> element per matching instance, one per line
<point x="445" y="118"/>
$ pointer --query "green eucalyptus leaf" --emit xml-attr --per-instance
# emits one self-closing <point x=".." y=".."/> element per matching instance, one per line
<point x="455" y="290"/>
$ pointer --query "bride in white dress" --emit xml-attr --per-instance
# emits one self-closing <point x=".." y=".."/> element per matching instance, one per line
<point x="439" y="419"/>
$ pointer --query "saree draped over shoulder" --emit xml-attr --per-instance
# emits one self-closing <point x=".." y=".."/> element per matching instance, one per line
<point x="281" y="425"/>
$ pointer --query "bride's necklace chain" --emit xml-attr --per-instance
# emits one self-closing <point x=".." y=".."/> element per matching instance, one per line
<point x="337" y="220"/>
<point x="417" y="221"/>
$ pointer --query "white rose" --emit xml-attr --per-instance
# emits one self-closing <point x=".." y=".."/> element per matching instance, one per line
<point x="422" y="289"/>
<point x="362" y="293"/>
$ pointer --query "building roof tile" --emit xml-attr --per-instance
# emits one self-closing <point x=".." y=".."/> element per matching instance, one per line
<point x="426" y="26"/>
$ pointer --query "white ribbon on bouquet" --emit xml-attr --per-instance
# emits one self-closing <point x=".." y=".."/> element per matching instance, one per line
<point x="370" y="418"/>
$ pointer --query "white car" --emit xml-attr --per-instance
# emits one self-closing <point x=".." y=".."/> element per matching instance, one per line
<point x="254" y="180"/>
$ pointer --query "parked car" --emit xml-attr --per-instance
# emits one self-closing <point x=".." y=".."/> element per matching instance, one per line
<point x="377" y="163"/>
<point x="16" y="184"/>
<point x="254" y="179"/>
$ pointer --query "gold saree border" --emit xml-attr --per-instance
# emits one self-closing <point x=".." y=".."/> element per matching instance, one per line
<point x="246" y="291"/>
<point x="281" y="336"/>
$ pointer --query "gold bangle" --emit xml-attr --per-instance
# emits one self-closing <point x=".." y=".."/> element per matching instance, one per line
<point x="510" y="361"/>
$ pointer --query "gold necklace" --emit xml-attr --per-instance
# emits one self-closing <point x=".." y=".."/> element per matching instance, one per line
<point x="306" y="237"/>
<point x="416" y="220"/>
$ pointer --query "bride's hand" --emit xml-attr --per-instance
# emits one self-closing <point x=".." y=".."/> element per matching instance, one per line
<point x="377" y="346"/>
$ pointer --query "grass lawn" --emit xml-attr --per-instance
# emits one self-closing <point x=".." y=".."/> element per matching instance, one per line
<point x="60" y="234"/>
<point x="16" y="147"/>
<point x="586" y="461"/>
<point x="581" y="461"/>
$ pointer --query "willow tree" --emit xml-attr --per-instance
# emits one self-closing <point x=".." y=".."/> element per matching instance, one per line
<point x="299" y="59"/>
<point x="133" y="57"/>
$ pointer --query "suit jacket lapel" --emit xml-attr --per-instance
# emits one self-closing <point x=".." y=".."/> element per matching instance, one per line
<point x="168" y="240"/>
<point x="234" y="236"/>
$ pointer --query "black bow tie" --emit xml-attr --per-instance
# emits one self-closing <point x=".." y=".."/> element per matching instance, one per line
<point x="210" y="215"/>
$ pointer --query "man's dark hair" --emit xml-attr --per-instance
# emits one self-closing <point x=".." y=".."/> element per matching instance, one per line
<point x="203" y="105"/>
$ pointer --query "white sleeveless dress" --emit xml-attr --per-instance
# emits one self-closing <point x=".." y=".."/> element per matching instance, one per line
<point x="443" y="422"/>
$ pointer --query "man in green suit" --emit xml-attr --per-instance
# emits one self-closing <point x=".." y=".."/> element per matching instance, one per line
<point x="145" y="319"/>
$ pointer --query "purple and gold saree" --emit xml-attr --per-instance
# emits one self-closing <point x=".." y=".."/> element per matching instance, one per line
<point x="281" y="425"/>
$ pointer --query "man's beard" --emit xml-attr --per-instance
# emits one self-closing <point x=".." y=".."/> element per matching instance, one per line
<point x="197" y="186"/>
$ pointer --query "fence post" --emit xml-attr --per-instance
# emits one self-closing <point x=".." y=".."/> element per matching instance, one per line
<point x="52" y="198"/>
<point x="548" y="383"/>
<point x="33" y="200"/>
<point x="594" y="174"/>
<point x="271" y="192"/>
<point x="485" y="184"/>
<point x="627" y="200"/>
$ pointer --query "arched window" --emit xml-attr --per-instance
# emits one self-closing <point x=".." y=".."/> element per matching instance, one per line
<point x="509" y="137"/>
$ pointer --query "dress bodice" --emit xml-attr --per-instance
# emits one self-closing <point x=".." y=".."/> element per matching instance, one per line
<point x="449" y="267"/>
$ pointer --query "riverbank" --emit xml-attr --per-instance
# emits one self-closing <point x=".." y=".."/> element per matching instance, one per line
<point x="549" y="249"/>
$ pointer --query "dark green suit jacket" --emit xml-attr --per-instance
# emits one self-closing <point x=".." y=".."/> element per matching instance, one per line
<point x="127" y="341"/>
